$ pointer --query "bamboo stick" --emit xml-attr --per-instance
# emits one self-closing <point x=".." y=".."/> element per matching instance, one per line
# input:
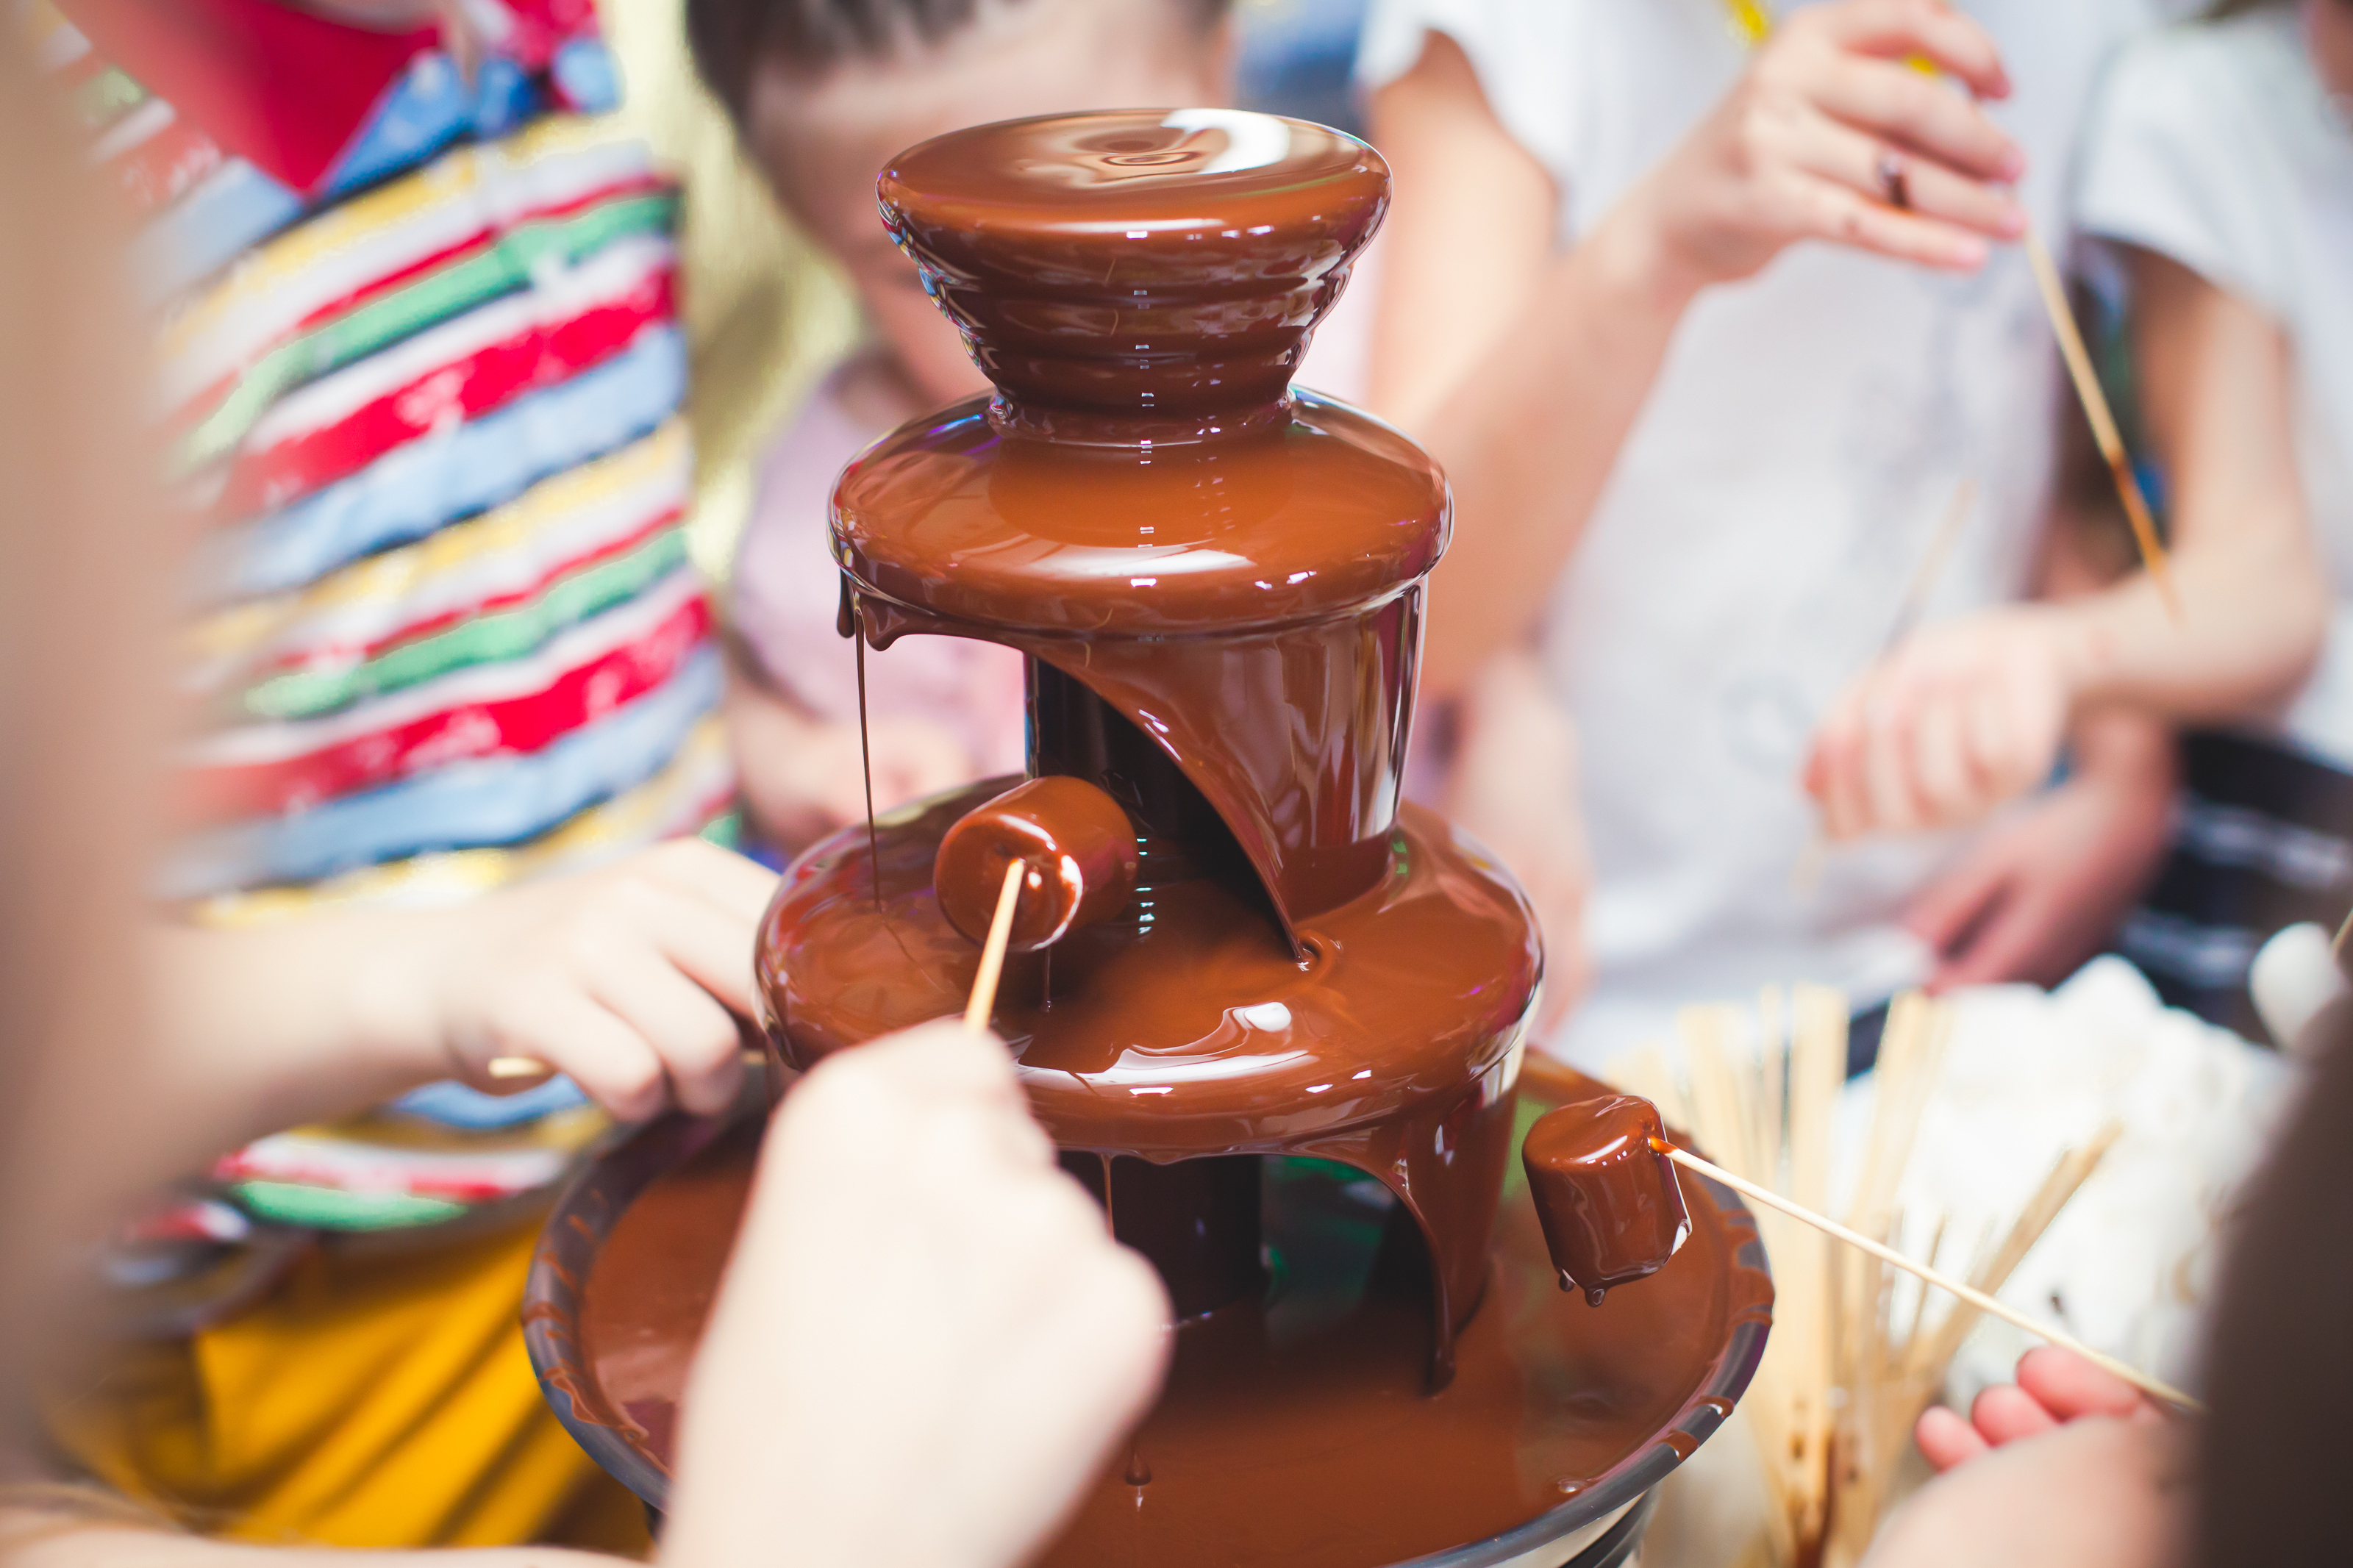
<point x="2103" y="419"/>
<point x="992" y="951"/>
<point x="1969" y="1293"/>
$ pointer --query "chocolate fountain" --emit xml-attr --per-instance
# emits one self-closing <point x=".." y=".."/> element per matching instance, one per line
<point x="1273" y="1015"/>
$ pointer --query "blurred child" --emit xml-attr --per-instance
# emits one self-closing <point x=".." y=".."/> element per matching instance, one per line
<point x="825" y="93"/>
<point x="418" y="374"/>
<point x="2220" y="173"/>
<point x="910" y="1238"/>
<point x="1708" y="308"/>
<point x="2072" y="1467"/>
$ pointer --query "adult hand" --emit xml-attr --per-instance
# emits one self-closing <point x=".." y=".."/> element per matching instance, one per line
<point x="2054" y="1386"/>
<point x="1513" y="788"/>
<point x="1960" y="718"/>
<point x="629" y="978"/>
<point x="927" y="1343"/>
<point x="2040" y="891"/>
<point x="1832" y="133"/>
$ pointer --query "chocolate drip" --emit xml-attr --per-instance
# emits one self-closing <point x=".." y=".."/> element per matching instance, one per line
<point x="1198" y="1220"/>
<point x="1611" y="1207"/>
<point x="1262" y="632"/>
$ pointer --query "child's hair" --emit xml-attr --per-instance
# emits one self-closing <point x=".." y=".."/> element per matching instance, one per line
<point x="730" y="37"/>
<point x="2273" y="1451"/>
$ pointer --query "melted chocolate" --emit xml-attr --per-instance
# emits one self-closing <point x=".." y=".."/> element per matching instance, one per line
<point x="1611" y="1209"/>
<point x="1293" y="1429"/>
<point x="1144" y="275"/>
<point x="1269" y="574"/>
<point x="1078" y="845"/>
<point x="1217" y="583"/>
<point x="1186" y="1028"/>
<point x="1142" y="504"/>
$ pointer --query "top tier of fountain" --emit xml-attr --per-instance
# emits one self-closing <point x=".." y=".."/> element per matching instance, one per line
<point x="1145" y="505"/>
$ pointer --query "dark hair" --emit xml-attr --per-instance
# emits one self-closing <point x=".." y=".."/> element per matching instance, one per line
<point x="730" y="37"/>
<point x="2273" y="1454"/>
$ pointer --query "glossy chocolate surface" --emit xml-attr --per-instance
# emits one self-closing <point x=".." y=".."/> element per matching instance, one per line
<point x="1142" y="504"/>
<point x="1608" y="1200"/>
<point x="1162" y="265"/>
<point x="1217" y="583"/>
<point x="1295" y="1430"/>
<point x="1188" y="1028"/>
<point x="1076" y="843"/>
<point x="1198" y="594"/>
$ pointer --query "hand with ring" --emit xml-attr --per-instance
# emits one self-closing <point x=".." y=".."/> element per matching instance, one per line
<point x="1834" y="132"/>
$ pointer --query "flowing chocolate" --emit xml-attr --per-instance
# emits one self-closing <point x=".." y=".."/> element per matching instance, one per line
<point x="1142" y="504"/>
<point x="1078" y="845"/>
<point x="1606" y="1193"/>
<point x="1185" y="1027"/>
<point x="1217" y="582"/>
<point x="1277" y="1444"/>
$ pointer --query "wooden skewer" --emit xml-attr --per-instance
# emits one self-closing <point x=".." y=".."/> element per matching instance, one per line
<point x="992" y="951"/>
<point x="2103" y="419"/>
<point x="1807" y="875"/>
<point x="1914" y="602"/>
<point x="1970" y="1293"/>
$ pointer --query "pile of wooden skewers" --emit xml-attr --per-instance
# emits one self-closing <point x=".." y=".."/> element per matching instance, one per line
<point x="1858" y="1350"/>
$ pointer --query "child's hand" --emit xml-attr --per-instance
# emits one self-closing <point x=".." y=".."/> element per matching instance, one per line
<point x="1959" y="719"/>
<point x="2038" y="894"/>
<point x="1513" y="788"/>
<point x="1832" y="134"/>
<point x="629" y="978"/>
<point x="2053" y="1387"/>
<point x="911" y="757"/>
<point x="920" y="1296"/>
<point x="2095" y="1492"/>
<point x="806" y="776"/>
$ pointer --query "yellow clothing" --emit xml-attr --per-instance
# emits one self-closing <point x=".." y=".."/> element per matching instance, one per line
<point x="380" y="1401"/>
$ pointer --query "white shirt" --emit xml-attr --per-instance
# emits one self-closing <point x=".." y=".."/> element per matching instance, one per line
<point x="2217" y="146"/>
<point x="1749" y="551"/>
